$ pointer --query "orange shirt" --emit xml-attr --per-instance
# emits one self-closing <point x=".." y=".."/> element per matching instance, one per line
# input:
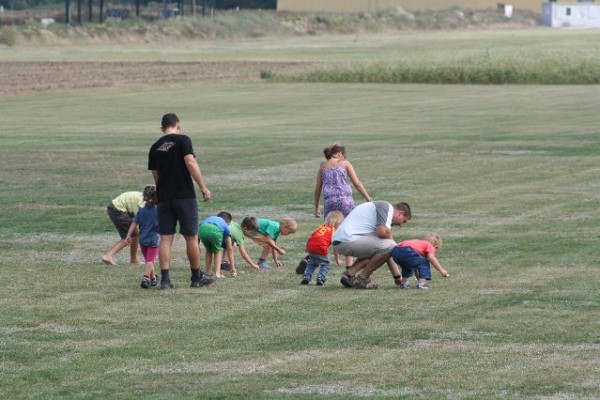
<point x="422" y="247"/>
<point x="320" y="240"/>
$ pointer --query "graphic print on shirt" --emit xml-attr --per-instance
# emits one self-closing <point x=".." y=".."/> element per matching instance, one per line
<point x="166" y="146"/>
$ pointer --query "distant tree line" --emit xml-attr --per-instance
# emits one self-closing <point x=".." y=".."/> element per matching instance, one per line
<point x="221" y="4"/>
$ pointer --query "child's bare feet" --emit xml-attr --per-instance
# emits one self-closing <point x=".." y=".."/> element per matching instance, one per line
<point x="108" y="260"/>
<point x="135" y="262"/>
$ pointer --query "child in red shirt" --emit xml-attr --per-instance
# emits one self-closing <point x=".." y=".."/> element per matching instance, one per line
<point x="414" y="256"/>
<point x="317" y="247"/>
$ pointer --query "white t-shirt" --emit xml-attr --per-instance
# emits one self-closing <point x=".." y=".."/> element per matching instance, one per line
<point x="363" y="221"/>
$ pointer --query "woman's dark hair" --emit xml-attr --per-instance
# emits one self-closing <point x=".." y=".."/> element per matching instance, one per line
<point x="333" y="149"/>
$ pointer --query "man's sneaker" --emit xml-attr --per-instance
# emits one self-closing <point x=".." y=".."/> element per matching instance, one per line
<point x="305" y="281"/>
<point x="422" y="286"/>
<point x="205" y="280"/>
<point x="225" y="266"/>
<point x="320" y="282"/>
<point x="166" y="285"/>
<point x="154" y="281"/>
<point x="301" y="267"/>
<point x="347" y="281"/>
<point x="145" y="284"/>
<point x="264" y="265"/>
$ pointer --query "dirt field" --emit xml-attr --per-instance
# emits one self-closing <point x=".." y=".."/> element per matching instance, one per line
<point x="17" y="77"/>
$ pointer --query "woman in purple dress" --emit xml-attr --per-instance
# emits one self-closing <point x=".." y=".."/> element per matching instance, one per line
<point x="332" y="181"/>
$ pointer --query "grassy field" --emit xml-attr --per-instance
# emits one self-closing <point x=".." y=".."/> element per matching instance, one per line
<point x="508" y="175"/>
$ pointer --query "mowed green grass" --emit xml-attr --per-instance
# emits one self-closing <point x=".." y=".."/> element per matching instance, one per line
<point x="507" y="175"/>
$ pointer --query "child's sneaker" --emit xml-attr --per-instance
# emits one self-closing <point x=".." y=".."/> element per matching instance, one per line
<point x="422" y="286"/>
<point x="320" y="282"/>
<point x="404" y="286"/>
<point x="145" y="284"/>
<point x="263" y="265"/>
<point x="225" y="266"/>
<point x="301" y="267"/>
<point x="305" y="281"/>
<point x="154" y="281"/>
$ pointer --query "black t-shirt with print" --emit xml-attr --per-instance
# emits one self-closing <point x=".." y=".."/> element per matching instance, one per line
<point x="166" y="156"/>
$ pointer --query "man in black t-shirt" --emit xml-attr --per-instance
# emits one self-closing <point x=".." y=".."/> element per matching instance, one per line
<point x="173" y="164"/>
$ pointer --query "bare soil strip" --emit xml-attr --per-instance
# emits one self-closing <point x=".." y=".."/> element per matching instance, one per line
<point x="17" y="77"/>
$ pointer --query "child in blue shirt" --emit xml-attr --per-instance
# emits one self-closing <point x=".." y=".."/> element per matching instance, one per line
<point x="215" y="235"/>
<point x="147" y="220"/>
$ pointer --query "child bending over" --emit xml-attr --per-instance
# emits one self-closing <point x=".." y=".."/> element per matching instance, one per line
<point x="415" y="256"/>
<point x="317" y="247"/>
<point x="215" y="235"/>
<point x="237" y="240"/>
<point x="265" y="233"/>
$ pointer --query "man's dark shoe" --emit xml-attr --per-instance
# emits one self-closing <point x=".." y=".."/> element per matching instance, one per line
<point x="205" y="280"/>
<point x="166" y="285"/>
<point x="347" y="280"/>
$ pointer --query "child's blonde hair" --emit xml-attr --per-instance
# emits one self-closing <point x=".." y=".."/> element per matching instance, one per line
<point x="435" y="240"/>
<point x="334" y="218"/>
<point x="149" y="194"/>
<point x="289" y="224"/>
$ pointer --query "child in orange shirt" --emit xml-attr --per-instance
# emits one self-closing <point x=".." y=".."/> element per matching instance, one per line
<point x="317" y="247"/>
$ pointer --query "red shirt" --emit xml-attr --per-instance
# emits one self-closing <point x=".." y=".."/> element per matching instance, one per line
<point x="320" y="240"/>
<point x="422" y="247"/>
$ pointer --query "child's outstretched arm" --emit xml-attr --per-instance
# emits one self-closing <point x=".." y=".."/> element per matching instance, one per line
<point x="276" y="258"/>
<point x="338" y="259"/>
<point x="132" y="228"/>
<point x="247" y="258"/>
<point x="436" y="264"/>
<point x="271" y="243"/>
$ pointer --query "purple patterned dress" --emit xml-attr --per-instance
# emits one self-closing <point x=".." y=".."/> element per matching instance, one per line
<point x="337" y="193"/>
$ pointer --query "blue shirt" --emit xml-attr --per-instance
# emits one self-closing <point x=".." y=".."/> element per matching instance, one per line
<point x="147" y="220"/>
<point x="219" y="223"/>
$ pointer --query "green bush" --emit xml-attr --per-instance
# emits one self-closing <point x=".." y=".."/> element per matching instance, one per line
<point x="482" y="70"/>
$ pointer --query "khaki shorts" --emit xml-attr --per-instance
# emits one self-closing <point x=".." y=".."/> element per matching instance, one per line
<point x="365" y="247"/>
<point x="121" y="220"/>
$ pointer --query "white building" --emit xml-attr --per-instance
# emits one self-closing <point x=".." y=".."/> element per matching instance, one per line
<point x="576" y="15"/>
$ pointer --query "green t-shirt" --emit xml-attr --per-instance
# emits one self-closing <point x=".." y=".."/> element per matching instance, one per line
<point x="237" y="236"/>
<point x="269" y="228"/>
